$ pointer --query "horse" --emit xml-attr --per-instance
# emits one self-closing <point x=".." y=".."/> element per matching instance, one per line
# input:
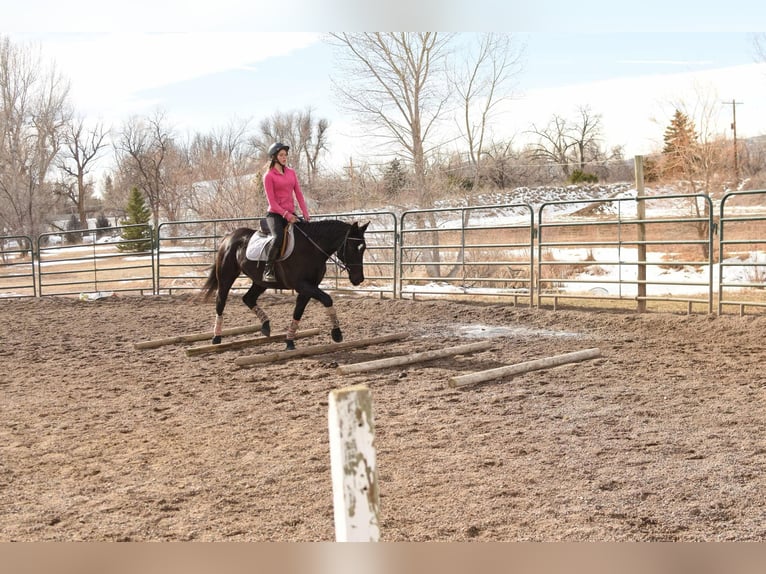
<point x="314" y="243"/>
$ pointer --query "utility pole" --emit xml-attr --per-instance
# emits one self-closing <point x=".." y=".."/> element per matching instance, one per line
<point x="734" y="129"/>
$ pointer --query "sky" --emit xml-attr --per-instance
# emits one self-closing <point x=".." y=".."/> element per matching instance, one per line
<point x="228" y="61"/>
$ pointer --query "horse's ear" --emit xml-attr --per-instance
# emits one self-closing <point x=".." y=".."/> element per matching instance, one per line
<point x="363" y="227"/>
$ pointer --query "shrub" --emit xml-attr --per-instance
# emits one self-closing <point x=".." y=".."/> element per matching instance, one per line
<point x="579" y="176"/>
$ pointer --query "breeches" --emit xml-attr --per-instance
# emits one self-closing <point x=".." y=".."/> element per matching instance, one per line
<point x="276" y="225"/>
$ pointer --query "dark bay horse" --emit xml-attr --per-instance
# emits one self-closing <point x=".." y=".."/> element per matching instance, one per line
<point x="302" y="271"/>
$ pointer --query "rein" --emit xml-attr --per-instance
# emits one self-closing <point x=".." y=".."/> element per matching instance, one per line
<point x="330" y="256"/>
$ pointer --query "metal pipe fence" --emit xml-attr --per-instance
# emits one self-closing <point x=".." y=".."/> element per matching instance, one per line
<point x="605" y="251"/>
<point x="381" y="256"/>
<point x="186" y="250"/>
<point x="109" y="259"/>
<point x="599" y="249"/>
<point x="742" y="251"/>
<point x="486" y="250"/>
<point x="17" y="264"/>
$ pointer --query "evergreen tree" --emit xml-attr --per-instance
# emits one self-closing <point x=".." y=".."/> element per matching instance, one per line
<point x="681" y="145"/>
<point x="73" y="225"/>
<point x="579" y="176"/>
<point x="137" y="214"/>
<point x="102" y="222"/>
<point x="394" y="178"/>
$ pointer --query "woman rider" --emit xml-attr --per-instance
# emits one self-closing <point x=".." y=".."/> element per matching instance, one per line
<point x="282" y="190"/>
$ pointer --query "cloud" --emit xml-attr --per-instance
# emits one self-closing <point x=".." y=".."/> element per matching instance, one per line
<point x="110" y="72"/>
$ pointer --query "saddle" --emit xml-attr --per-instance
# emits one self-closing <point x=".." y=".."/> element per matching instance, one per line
<point x="258" y="246"/>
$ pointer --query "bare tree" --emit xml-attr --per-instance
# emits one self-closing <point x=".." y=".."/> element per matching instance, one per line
<point x="82" y="147"/>
<point x="313" y="143"/>
<point x="226" y="180"/>
<point x="143" y="148"/>
<point x="586" y="135"/>
<point x="481" y="85"/>
<point x="396" y="84"/>
<point x="554" y="144"/>
<point x="34" y="111"/>
<point x="176" y="199"/>
<point x="306" y="136"/>
<point x="280" y="127"/>
<point x="570" y="144"/>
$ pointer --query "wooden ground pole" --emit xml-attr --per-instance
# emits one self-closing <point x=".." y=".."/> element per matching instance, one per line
<point x="153" y="344"/>
<point x="242" y="343"/>
<point x="510" y="370"/>
<point x="317" y="350"/>
<point x="415" y="357"/>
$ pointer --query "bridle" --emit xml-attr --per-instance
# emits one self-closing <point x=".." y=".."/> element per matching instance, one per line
<point x="342" y="248"/>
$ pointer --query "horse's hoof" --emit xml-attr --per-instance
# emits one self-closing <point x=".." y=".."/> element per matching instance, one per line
<point x="290" y="345"/>
<point x="337" y="334"/>
<point x="266" y="328"/>
<point x="217" y="340"/>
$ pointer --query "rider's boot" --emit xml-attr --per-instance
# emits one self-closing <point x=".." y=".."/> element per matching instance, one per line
<point x="268" y="273"/>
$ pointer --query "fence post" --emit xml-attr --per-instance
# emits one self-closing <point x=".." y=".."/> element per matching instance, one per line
<point x="356" y="498"/>
<point x="641" y="240"/>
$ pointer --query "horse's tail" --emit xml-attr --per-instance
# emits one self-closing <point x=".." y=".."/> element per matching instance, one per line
<point x="211" y="285"/>
<point x="225" y="261"/>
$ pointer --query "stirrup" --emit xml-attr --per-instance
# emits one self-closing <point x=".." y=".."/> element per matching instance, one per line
<point x="268" y="274"/>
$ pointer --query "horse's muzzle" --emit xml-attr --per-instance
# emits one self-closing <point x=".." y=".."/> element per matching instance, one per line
<point x="356" y="278"/>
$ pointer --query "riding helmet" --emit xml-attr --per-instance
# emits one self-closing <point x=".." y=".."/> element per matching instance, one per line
<point x="276" y="147"/>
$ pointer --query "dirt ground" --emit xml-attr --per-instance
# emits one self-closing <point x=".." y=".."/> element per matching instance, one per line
<point x="662" y="438"/>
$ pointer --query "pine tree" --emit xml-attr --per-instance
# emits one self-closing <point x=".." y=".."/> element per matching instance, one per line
<point x="394" y="178"/>
<point x="681" y="145"/>
<point x="73" y="225"/>
<point x="137" y="214"/>
<point x="102" y="222"/>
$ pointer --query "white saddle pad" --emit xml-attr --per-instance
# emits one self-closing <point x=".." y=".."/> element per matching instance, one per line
<point x="257" y="247"/>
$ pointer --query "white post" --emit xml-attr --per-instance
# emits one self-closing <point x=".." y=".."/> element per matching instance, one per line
<point x="356" y="498"/>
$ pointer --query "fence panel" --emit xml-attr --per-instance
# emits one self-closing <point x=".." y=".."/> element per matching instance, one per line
<point x="742" y="251"/>
<point x="17" y="267"/>
<point x="105" y="260"/>
<point x="604" y="251"/>
<point x="595" y="253"/>
<point x="186" y="250"/>
<point x="487" y="250"/>
<point x="379" y="259"/>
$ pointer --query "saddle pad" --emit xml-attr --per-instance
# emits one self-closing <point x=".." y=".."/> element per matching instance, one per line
<point x="257" y="247"/>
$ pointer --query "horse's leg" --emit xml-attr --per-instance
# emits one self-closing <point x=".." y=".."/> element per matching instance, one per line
<point x="228" y="272"/>
<point x="312" y="291"/>
<point x="336" y="333"/>
<point x="251" y="300"/>
<point x="301" y="301"/>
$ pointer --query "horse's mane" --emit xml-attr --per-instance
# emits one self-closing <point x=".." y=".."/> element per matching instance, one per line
<point x="322" y="227"/>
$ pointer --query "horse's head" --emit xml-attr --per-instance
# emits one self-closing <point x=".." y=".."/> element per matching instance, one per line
<point x="351" y="253"/>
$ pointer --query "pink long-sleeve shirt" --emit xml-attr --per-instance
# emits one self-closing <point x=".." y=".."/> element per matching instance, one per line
<point x="280" y="188"/>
